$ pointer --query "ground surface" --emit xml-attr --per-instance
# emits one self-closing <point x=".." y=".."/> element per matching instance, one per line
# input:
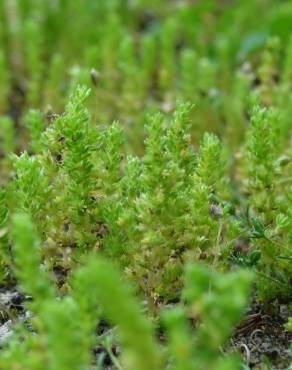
<point x="261" y="338"/>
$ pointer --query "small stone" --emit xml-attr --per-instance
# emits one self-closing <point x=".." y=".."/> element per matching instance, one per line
<point x="5" y="331"/>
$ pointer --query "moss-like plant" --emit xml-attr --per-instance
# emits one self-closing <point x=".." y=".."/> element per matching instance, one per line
<point x="154" y="134"/>
<point x="64" y="327"/>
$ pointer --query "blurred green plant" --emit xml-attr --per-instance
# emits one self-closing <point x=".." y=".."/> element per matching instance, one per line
<point x="64" y="327"/>
<point x="153" y="133"/>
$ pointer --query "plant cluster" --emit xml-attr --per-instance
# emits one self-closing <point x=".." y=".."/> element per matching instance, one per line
<point x="65" y="326"/>
<point x="145" y="156"/>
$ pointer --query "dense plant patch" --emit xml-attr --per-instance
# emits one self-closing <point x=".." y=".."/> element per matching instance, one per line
<point x="145" y="173"/>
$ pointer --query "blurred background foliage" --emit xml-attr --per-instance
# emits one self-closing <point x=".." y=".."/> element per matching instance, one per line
<point x="137" y="56"/>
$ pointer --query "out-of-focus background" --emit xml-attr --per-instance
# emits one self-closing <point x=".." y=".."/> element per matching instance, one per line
<point x="140" y="56"/>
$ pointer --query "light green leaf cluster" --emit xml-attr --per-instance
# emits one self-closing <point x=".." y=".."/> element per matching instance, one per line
<point x="4" y="240"/>
<point x="29" y="264"/>
<point x="65" y="325"/>
<point x="202" y="289"/>
<point x="31" y="189"/>
<point x="269" y="216"/>
<point x="36" y="126"/>
<point x="155" y="134"/>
